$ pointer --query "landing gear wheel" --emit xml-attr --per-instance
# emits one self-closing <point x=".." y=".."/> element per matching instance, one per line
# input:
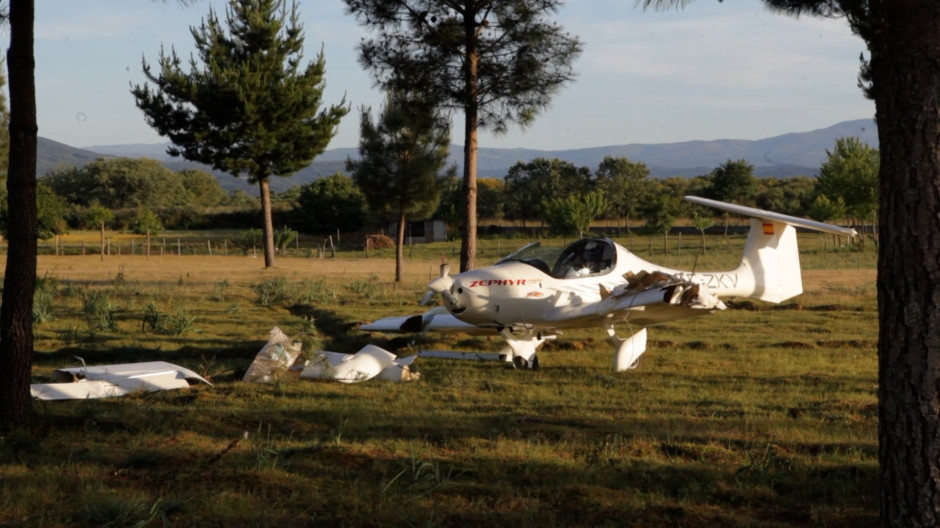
<point x="520" y="362"/>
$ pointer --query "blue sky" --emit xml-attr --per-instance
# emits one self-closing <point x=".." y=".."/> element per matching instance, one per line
<point x="729" y="70"/>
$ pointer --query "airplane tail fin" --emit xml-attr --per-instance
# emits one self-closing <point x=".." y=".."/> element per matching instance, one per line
<point x="770" y="266"/>
<point x="771" y="261"/>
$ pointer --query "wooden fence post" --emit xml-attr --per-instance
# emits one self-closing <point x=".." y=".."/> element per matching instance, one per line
<point x="102" y="240"/>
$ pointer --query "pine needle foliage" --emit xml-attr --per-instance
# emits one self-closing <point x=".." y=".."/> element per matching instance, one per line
<point x="248" y="105"/>
<point x="497" y="61"/>
<point x="402" y="156"/>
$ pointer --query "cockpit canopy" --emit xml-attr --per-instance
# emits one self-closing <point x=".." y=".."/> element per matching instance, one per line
<point x="587" y="257"/>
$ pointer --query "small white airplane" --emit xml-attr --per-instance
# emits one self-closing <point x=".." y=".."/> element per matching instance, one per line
<point x="597" y="282"/>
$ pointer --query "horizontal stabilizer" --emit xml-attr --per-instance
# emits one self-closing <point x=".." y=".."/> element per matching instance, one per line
<point x="773" y="217"/>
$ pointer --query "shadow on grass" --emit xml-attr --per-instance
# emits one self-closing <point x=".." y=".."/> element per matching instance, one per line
<point x="223" y="363"/>
<point x="341" y="334"/>
<point x="393" y="454"/>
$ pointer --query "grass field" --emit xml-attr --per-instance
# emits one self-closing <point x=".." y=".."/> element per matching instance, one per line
<point x="763" y="415"/>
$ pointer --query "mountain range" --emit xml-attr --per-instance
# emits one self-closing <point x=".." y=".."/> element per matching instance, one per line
<point x="787" y="155"/>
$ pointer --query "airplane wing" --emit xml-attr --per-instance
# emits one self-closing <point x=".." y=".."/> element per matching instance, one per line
<point x="437" y="319"/>
<point x="652" y="298"/>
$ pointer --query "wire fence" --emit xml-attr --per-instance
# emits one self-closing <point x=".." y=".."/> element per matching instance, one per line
<point x="680" y="243"/>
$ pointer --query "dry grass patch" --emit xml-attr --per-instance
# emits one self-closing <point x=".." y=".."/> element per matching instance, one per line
<point x="760" y="417"/>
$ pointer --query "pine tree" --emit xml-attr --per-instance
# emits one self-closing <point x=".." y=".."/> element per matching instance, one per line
<point x="400" y="160"/>
<point x="497" y="61"/>
<point x="250" y="108"/>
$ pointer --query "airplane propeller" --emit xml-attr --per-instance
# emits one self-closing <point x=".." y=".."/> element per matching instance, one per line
<point x="442" y="286"/>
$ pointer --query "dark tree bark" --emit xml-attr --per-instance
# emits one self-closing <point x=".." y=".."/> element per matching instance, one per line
<point x="268" y="233"/>
<point x="400" y="242"/>
<point x="468" y="246"/>
<point x="905" y="71"/>
<point x="16" y="325"/>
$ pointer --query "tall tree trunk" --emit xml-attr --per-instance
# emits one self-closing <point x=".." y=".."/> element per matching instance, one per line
<point x="268" y="222"/>
<point x="400" y="244"/>
<point x="16" y="311"/>
<point x="468" y="247"/>
<point x="905" y="62"/>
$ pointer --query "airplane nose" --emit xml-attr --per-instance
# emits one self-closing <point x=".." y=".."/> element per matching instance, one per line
<point x="444" y="286"/>
<point x="452" y="297"/>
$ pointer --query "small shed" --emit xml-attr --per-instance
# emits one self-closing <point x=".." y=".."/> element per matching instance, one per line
<point x="421" y="231"/>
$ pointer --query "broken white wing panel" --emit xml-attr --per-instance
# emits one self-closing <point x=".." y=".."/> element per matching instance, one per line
<point x="370" y="362"/>
<point x="106" y="381"/>
<point x="323" y="365"/>
<point x="400" y="370"/>
<point x="660" y="302"/>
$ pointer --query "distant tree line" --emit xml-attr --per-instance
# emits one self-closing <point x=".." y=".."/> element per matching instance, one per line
<point x="140" y="194"/>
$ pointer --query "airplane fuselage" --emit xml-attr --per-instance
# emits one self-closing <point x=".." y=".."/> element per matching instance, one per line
<point x="514" y="292"/>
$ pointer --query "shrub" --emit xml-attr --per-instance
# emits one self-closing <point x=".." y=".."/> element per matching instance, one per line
<point x="99" y="311"/>
<point x="44" y="299"/>
<point x="272" y="291"/>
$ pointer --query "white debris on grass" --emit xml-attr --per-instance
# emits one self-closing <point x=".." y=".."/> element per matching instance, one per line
<point x="107" y="381"/>
<point x="370" y="362"/>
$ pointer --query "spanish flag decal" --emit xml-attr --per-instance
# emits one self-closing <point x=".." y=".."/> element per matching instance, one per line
<point x="768" y="228"/>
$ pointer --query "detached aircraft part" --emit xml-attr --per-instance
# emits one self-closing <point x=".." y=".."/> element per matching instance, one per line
<point x="597" y="283"/>
<point x="629" y="350"/>
<point x="108" y="381"/>
<point x="274" y="358"/>
<point x="370" y="362"/>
